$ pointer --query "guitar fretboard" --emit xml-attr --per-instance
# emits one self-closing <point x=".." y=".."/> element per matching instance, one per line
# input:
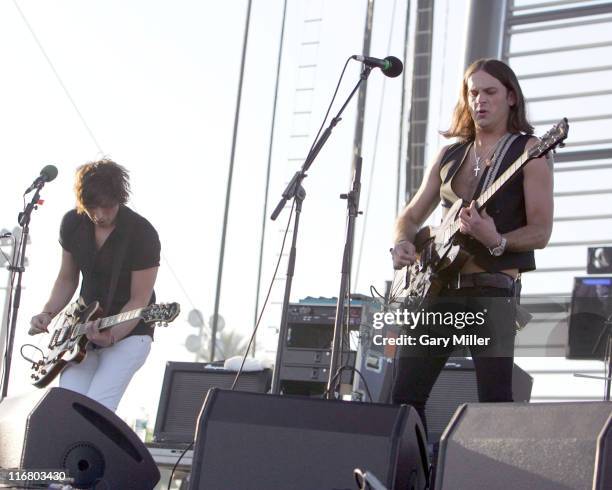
<point x="453" y="228"/>
<point x="111" y="321"/>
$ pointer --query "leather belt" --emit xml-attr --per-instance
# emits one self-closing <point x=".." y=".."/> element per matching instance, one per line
<point x="482" y="279"/>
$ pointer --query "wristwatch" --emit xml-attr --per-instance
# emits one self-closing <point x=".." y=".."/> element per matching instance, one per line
<point x="499" y="249"/>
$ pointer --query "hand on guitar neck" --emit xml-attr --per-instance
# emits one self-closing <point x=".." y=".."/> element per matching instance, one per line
<point x="479" y="225"/>
<point x="102" y="338"/>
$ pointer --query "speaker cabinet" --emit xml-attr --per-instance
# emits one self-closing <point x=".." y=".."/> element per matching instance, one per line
<point x="456" y="385"/>
<point x="590" y="308"/>
<point x="184" y="388"/>
<point x="548" y="446"/>
<point x="59" y="429"/>
<point x="254" y="441"/>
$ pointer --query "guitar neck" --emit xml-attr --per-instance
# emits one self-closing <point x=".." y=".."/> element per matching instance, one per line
<point x="519" y="163"/>
<point x="111" y="321"/>
<point x="482" y="200"/>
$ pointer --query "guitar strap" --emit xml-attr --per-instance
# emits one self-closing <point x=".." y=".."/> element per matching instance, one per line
<point x="118" y="258"/>
<point x="523" y="317"/>
<point x="489" y="177"/>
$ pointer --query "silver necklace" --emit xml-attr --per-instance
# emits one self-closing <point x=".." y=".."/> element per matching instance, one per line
<point x="487" y="158"/>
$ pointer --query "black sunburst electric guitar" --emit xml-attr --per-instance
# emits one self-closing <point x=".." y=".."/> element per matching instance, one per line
<point x="440" y="250"/>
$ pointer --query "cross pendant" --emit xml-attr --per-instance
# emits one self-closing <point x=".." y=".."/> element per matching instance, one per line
<point x="477" y="167"/>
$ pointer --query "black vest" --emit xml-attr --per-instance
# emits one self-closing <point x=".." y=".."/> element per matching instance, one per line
<point x="506" y="207"/>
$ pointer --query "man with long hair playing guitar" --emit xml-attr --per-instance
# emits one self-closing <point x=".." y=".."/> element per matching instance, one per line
<point x="492" y="131"/>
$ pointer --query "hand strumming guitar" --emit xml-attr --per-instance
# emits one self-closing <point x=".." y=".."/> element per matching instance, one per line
<point x="40" y="323"/>
<point x="403" y="253"/>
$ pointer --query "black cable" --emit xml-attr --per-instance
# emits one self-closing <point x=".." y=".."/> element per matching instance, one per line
<point x="263" y="308"/>
<point x="177" y="463"/>
<point x="374" y="291"/>
<point x="23" y="356"/>
<point x="365" y="383"/>
<point x="335" y="380"/>
<point x="330" y="106"/>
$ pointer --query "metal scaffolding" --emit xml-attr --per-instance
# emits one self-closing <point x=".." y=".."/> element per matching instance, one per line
<point x="419" y="107"/>
<point x="579" y="32"/>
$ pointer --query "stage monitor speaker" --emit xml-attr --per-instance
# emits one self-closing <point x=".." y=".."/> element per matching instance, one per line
<point x="254" y="441"/>
<point x="59" y="429"/>
<point x="183" y="391"/>
<point x="548" y="446"/>
<point x="456" y="385"/>
<point x="591" y="306"/>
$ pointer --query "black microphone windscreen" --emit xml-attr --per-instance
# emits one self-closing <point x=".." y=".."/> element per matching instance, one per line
<point x="395" y="67"/>
<point x="49" y="172"/>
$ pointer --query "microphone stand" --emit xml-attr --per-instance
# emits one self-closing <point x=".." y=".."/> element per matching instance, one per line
<point x="294" y="190"/>
<point x="17" y="268"/>
<point x="352" y="204"/>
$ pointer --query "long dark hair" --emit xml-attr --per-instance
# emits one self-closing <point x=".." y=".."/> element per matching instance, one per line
<point x="462" y="125"/>
<point x="101" y="183"/>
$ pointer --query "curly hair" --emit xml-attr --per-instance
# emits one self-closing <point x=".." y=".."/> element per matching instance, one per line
<point x="462" y="125"/>
<point x="101" y="183"/>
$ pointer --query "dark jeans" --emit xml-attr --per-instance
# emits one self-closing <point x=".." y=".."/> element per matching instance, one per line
<point x="418" y="367"/>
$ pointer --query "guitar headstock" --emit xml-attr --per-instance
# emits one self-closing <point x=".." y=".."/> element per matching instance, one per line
<point x="162" y="313"/>
<point x="553" y="138"/>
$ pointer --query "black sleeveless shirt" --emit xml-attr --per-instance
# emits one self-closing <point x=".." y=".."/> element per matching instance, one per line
<point x="506" y="207"/>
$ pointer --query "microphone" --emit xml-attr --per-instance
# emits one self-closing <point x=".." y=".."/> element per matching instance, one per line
<point x="47" y="174"/>
<point x="390" y="66"/>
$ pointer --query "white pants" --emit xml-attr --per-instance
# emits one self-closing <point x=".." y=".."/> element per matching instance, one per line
<point x="105" y="373"/>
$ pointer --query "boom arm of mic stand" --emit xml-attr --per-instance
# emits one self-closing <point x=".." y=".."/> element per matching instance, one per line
<point x="289" y="192"/>
<point x="295" y="182"/>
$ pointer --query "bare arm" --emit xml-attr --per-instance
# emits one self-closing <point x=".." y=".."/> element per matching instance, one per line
<point x="422" y="204"/>
<point x="538" y="194"/>
<point x="539" y="205"/>
<point x="415" y="213"/>
<point x="140" y="294"/>
<point x="63" y="289"/>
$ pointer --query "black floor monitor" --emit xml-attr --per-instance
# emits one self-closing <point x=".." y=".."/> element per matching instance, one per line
<point x="590" y="308"/>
